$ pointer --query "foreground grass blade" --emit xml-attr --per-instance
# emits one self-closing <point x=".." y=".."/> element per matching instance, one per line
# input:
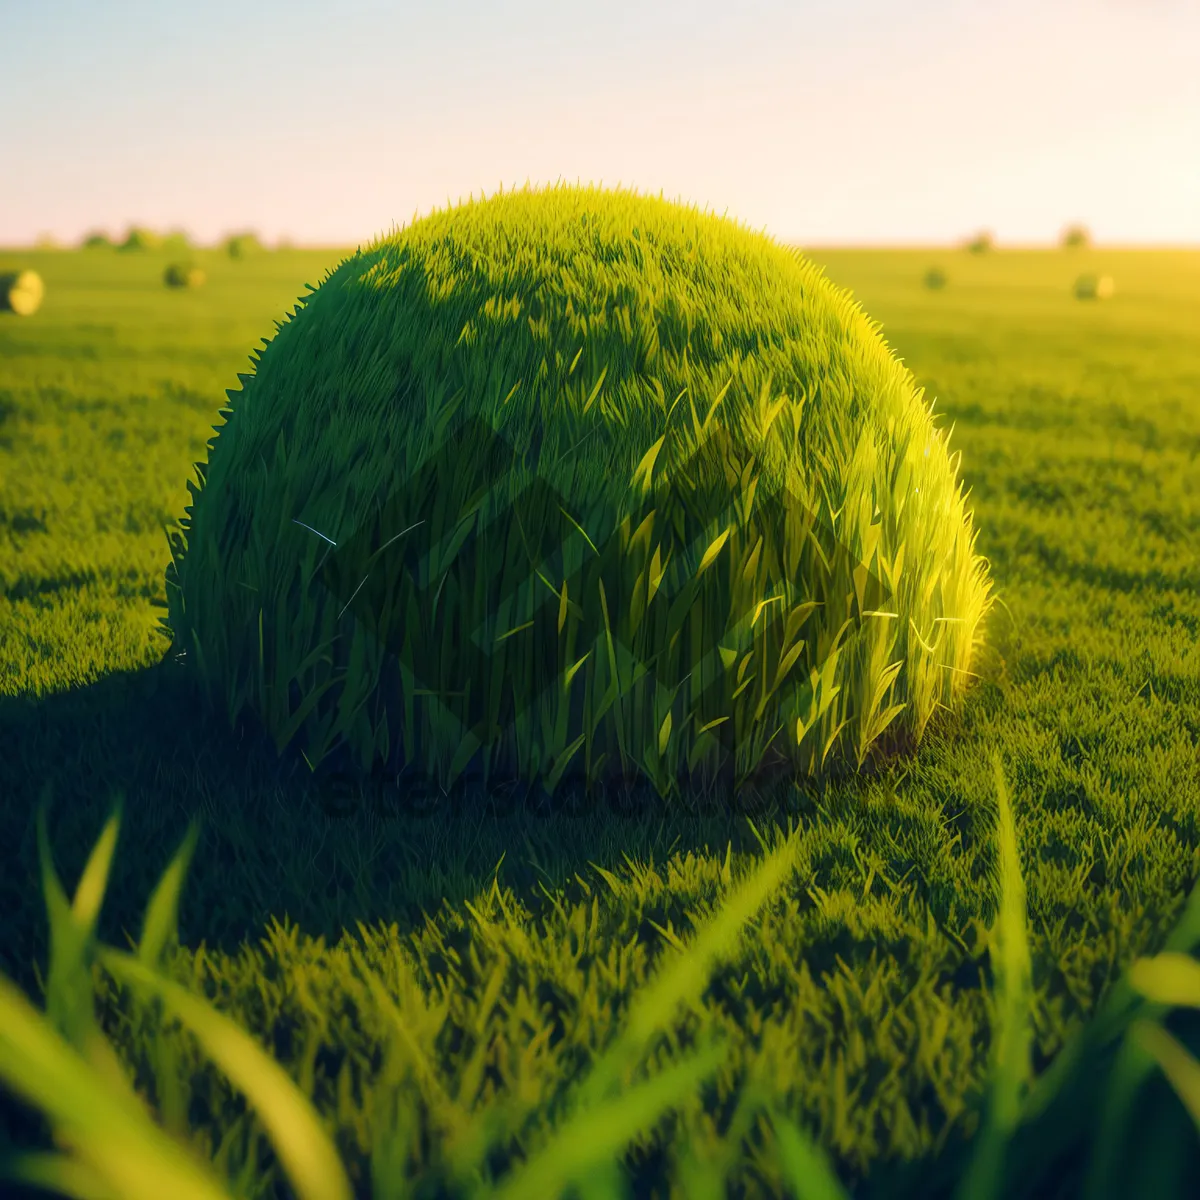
<point x="116" y="1144"/>
<point x="601" y="1124"/>
<point x="304" y="1148"/>
<point x="1012" y="1036"/>
<point x="805" y="1164"/>
<point x="56" y="1173"/>
<point x="160" y="926"/>
<point x="1167" y="980"/>
<point x="687" y="976"/>
<point x="1177" y="1064"/>
<point x="118" y="1139"/>
<point x="69" y="993"/>
<point x="594" y="1136"/>
<point x="72" y="929"/>
<point x="1111" y="1021"/>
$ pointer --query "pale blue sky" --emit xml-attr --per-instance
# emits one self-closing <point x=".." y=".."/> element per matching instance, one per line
<point x="820" y="121"/>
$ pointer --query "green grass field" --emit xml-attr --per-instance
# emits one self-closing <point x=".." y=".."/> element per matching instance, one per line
<point x="859" y="997"/>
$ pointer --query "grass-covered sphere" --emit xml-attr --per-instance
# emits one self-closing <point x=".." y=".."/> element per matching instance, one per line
<point x="935" y="279"/>
<point x="140" y="238"/>
<point x="242" y="245"/>
<point x="575" y="482"/>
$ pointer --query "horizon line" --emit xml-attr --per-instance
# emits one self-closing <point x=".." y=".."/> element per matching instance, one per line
<point x="54" y="245"/>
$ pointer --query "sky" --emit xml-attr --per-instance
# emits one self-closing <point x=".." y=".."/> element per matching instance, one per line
<point x="819" y="122"/>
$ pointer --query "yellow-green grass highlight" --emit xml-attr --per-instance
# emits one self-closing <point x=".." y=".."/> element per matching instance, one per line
<point x="21" y="292"/>
<point x="113" y="1147"/>
<point x="623" y="337"/>
<point x="1076" y="421"/>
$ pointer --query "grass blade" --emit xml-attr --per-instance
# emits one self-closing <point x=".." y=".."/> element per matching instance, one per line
<point x="1013" y="1035"/>
<point x="1172" y="979"/>
<point x="594" y="1136"/>
<point x="117" y="1144"/>
<point x="300" y="1140"/>
<point x="805" y="1165"/>
<point x="1180" y="1068"/>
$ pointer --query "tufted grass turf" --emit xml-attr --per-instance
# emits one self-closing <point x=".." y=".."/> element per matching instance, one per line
<point x="679" y="586"/>
<point x="863" y="992"/>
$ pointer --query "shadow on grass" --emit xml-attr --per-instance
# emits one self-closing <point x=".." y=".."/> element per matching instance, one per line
<point x="269" y="846"/>
<point x="271" y="843"/>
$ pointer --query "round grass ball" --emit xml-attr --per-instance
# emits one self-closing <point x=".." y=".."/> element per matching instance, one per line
<point x="97" y="241"/>
<point x="981" y="243"/>
<point x="140" y="238"/>
<point x="21" y="292"/>
<point x="1076" y="237"/>
<point x="575" y="483"/>
<point x="183" y="275"/>
<point x="242" y="245"/>
<point x="935" y="279"/>
<point x="1094" y="287"/>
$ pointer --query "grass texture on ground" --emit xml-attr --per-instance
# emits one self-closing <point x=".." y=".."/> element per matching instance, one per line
<point x="860" y="1002"/>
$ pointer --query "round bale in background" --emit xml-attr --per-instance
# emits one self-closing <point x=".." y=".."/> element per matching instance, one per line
<point x="1076" y="237"/>
<point x="242" y="245"/>
<point x="140" y="238"/>
<point x="1094" y="287"/>
<point x="21" y="292"/>
<point x="183" y="275"/>
<point x="935" y="279"/>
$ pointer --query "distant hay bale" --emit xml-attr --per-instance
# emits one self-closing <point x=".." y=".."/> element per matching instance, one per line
<point x="139" y="238"/>
<point x="1094" y="287"/>
<point x="241" y="245"/>
<point x="183" y="275"/>
<point x="21" y="292"/>
<point x="935" y="279"/>
<point x="47" y="241"/>
<point x="981" y="243"/>
<point x="97" y="241"/>
<point x="1076" y="237"/>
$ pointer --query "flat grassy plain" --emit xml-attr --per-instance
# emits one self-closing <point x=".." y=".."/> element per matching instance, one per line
<point x="860" y="996"/>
